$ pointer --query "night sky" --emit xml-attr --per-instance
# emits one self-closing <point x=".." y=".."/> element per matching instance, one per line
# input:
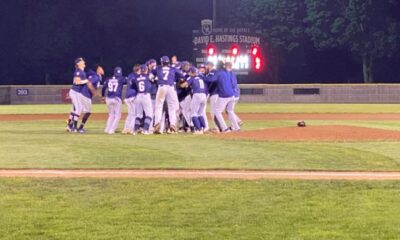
<point x="46" y="36"/>
<point x="41" y="38"/>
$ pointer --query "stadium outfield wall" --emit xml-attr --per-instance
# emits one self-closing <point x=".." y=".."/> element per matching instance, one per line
<point x="259" y="93"/>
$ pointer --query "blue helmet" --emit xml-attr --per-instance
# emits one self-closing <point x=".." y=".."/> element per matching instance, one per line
<point x="165" y="59"/>
<point x="118" y="72"/>
<point x="143" y="68"/>
<point x="193" y="70"/>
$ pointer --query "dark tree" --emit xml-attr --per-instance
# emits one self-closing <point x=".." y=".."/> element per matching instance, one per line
<point x="281" y="22"/>
<point x="368" y="28"/>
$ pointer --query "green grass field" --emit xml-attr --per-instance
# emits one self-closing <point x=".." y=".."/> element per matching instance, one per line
<point x="196" y="209"/>
<point x="44" y="144"/>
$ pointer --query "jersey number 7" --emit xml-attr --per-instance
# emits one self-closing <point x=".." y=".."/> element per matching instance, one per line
<point x="165" y="74"/>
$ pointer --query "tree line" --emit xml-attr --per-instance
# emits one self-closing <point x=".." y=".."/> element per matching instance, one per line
<point x="368" y="29"/>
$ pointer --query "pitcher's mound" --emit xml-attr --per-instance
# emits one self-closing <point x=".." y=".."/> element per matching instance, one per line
<point x="316" y="133"/>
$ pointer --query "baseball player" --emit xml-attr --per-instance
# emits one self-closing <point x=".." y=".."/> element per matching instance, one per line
<point x="184" y="98"/>
<point x="166" y="76"/>
<point x="79" y="81"/>
<point x="152" y="66"/>
<point x="143" y="100"/>
<point x="130" y="101"/>
<point x="213" y="92"/>
<point x="113" y="86"/>
<point x="199" y="100"/>
<point x="95" y="80"/>
<point x="202" y="75"/>
<point x="174" y="62"/>
<point x="227" y="83"/>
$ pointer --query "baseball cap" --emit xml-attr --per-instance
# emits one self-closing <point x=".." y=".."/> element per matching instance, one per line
<point x="210" y="63"/>
<point x="165" y="59"/>
<point x="202" y="66"/>
<point x="78" y="60"/>
<point x="193" y="70"/>
<point x="143" y="67"/>
<point x="118" y="72"/>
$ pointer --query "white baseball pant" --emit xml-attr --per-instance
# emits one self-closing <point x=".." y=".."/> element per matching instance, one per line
<point x="114" y="106"/>
<point x="213" y="108"/>
<point x="166" y="93"/>
<point x="130" y="119"/>
<point x="76" y="103"/>
<point x="228" y="105"/>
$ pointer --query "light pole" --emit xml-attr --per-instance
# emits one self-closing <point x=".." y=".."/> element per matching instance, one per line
<point x="215" y="13"/>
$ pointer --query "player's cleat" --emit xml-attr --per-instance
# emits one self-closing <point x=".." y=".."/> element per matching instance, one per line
<point x="214" y="130"/>
<point x="172" y="130"/>
<point x="68" y="128"/>
<point x="157" y="128"/>
<point x="198" y="132"/>
<point x="82" y="131"/>
<point x="127" y="131"/>
<point x="146" y="133"/>
<point x="226" y="131"/>
<point x="133" y="133"/>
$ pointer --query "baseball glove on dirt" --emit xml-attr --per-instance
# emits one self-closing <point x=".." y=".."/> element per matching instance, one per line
<point x="301" y="124"/>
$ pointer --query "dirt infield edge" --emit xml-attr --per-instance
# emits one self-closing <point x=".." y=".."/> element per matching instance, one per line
<point x="201" y="174"/>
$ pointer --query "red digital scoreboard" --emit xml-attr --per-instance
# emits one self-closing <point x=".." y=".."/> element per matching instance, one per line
<point x="242" y="47"/>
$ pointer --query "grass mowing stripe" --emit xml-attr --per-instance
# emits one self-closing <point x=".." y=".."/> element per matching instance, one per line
<point x="198" y="209"/>
<point x="241" y="107"/>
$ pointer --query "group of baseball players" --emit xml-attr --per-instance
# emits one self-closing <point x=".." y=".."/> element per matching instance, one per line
<point x="166" y="98"/>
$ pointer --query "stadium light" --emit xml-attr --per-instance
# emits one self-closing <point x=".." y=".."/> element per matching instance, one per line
<point x="235" y="50"/>
<point x="255" y="51"/>
<point x="258" y="63"/>
<point x="211" y="51"/>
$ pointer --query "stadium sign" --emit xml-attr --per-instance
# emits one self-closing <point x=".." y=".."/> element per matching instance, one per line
<point x="241" y="46"/>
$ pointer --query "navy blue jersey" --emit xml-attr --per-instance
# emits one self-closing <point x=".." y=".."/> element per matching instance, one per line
<point x="167" y="75"/>
<point x="225" y="83"/>
<point x="143" y="83"/>
<point x="154" y="85"/>
<point x="176" y="65"/>
<point x="183" y="92"/>
<point x="212" y="86"/>
<point x="131" y="90"/>
<point x="95" y="79"/>
<point x="197" y="85"/>
<point x="114" y="87"/>
<point x="82" y="75"/>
